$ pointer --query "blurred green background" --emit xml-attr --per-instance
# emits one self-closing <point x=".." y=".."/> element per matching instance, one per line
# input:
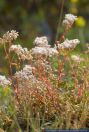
<point x="32" y="18"/>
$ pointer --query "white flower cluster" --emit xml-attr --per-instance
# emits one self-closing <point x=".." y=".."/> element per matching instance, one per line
<point x="27" y="78"/>
<point x="10" y="36"/>
<point x="39" y="50"/>
<point x="69" y="20"/>
<point x="4" y="82"/>
<point x="52" y="52"/>
<point x="41" y="42"/>
<point x="42" y="48"/>
<point x="25" y="74"/>
<point x="69" y="44"/>
<point x="22" y="53"/>
<point x="77" y="58"/>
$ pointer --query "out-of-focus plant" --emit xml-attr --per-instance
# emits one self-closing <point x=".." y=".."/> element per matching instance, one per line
<point x="81" y="24"/>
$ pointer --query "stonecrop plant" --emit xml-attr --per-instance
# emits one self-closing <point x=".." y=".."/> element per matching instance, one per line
<point x="45" y="87"/>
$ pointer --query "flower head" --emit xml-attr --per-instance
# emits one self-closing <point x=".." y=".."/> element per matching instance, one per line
<point x="69" y="44"/>
<point x="25" y="74"/>
<point x="42" y="48"/>
<point x="69" y="20"/>
<point x="52" y="52"/>
<point x="10" y="36"/>
<point x="48" y="52"/>
<point x="22" y="53"/>
<point x="41" y="42"/>
<point x="39" y="51"/>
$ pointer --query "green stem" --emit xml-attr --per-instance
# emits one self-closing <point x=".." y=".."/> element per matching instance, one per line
<point x="59" y="22"/>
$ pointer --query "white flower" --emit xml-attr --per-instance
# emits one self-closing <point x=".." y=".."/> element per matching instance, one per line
<point x="70" y="17"/>
<point x="4" y="82"/>
<point x="48" y="52"/>
<point x="25" y="74"/>
<point x="77" y="58"/>
<point x="42" y="48"/>
<point x="14" y="34"/>
<point x="69" y="44"/>
<point x="16" y="48"/>
<point x="28" y="68"/>
<point x="41" y="42"/>
<point x="69" y="20"/>
<point x="26" y="78"/>
<point x="39" y="51"/>
<point x="52" y="52"/>
<point x="9" y="36"/>
<point x="22" y="53"/>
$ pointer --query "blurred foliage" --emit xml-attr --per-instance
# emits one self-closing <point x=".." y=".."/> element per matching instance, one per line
<point x="81" y="22"/>
<point x="38" y="17"/>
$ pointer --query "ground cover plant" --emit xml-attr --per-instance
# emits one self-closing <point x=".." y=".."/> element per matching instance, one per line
<point x="45" y="87"/>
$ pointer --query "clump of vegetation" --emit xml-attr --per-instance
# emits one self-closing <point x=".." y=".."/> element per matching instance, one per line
<point x="46" y="87"/>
